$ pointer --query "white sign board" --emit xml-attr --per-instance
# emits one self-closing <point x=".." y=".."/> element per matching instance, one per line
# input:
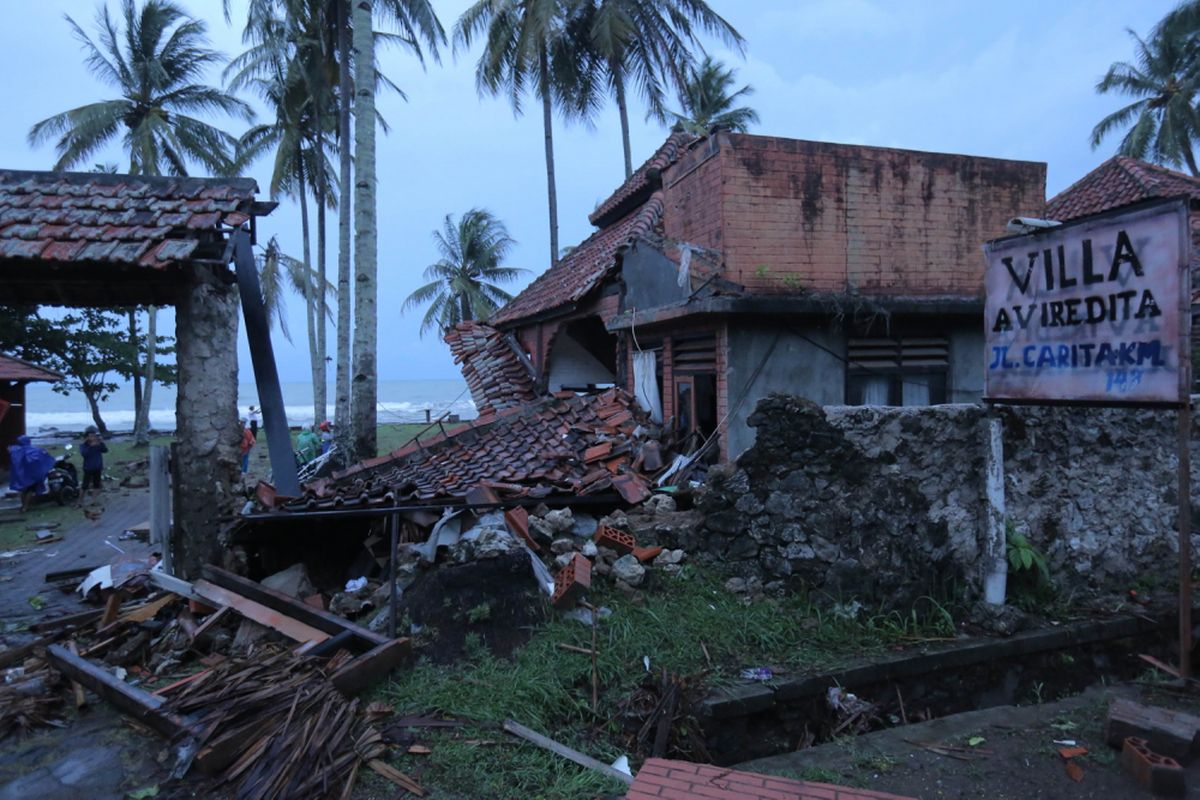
<point x="1092" y="311"/>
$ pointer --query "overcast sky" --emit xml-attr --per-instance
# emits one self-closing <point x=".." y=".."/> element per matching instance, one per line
<point x="1009" y="80"/>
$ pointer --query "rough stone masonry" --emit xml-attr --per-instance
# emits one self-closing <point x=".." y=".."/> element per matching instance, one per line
<point x="887" y="504"/>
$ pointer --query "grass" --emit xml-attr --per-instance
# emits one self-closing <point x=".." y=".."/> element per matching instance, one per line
<point x="549" y="689"/>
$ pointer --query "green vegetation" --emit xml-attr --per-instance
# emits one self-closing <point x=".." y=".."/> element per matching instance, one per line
<point x="548" y="688"/>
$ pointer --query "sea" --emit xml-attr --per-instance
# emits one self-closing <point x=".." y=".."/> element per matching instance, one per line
<point x="48" y="412"/>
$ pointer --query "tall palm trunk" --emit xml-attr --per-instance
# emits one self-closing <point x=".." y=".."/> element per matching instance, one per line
<point x="141" y="426"/>
<point x="547" y="124"/>
<point x="623" y="109"/>
<point x="137" y="365"/>
<point x="365" y="382"/>
<point x="312" y="316"/>
<point x="342" y="398"/>
<point x="1190" y="158"/>
<point x="320" y="383"/>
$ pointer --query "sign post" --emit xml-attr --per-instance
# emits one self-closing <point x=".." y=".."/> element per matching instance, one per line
<point x="1097" y="312"/>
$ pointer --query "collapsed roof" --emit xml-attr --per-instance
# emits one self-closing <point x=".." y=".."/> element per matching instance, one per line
<point x="498" y="374"/>
<point x="565" y="444"/>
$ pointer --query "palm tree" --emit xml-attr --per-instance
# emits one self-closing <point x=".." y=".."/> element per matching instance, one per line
<point x="364" y="382"/>
<point x="278" y="271"/>
<point x="153" y="64"/>
<point x="707" y="102"/>
<point x="462" y="283"/>
<point x="647" y="43"/>
<point x="541" y="45"/>
<point x="1163" y="119"/>
<point x="417" y="25"/>
<point x="287" y="66"/>
<point x="154" y="67"/>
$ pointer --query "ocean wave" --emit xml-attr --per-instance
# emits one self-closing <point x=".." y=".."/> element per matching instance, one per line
<point x="164" y="420"/>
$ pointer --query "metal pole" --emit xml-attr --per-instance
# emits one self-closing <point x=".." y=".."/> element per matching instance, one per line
<point x="394" y="521"/>
<point x="1185" y="541"/>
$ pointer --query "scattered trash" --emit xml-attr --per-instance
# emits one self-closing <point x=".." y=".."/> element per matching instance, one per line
<point x="38" y="602"/>
<point x="1072" y="752"/>
<point x="356" y="584"/>
<point x="975" y="741"/>
<point x="1074" y="771"/>
<point x="766" y="674"/>
<point x="584" y="615"/>
<point x="143" y="794"/>
<point x="1065" y="742"/>
<point x="646" y="662"/>
<point x="622" y="765"/>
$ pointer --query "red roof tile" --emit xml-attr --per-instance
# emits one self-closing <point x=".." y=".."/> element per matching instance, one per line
<point x="1118" y="182"/>
<point x="584" y="268"/>
<point x="536" y="449"/>
<point x="121" y="219"/>
<point x="646" y="177"/>
<point x="497" y="373"/>
<point x="14" y="369"/>
<point x="660" y="778"/>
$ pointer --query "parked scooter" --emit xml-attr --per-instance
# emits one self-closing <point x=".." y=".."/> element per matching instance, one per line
<point x="62" y="483"/>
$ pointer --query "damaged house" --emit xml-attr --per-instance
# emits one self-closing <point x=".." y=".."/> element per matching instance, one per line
<point x="728" y="267"/>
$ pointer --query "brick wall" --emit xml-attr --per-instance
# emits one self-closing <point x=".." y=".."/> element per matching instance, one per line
<point x="794" y="215"/>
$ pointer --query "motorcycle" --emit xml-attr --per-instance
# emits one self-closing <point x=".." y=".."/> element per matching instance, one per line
<point x="62" y="482"/>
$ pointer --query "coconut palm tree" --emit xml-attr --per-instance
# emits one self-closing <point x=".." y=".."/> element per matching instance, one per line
<point x="286" y="65"/>
<point x="647" y="43"/>
<point x="707" y="101"/>
<point x="462" y="283"/>
<point x="154" y="63"/>
<point x="540" y="45"/>
<point x="1162" y="121"/>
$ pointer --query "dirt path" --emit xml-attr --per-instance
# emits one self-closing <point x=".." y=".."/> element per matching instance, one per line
<point x="1017" y="759"/>
<point x="86" y="542"/>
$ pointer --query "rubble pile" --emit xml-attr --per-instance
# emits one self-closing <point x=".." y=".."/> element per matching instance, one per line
<point x="563" y="445"/>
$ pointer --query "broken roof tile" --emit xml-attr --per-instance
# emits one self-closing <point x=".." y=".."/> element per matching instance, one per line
<point x="515" y="448"/>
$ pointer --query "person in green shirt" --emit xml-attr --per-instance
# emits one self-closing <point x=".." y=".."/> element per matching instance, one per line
<point x="308" y="445"/>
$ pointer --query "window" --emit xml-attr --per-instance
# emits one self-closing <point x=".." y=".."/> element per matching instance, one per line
<point x="897" y="371"/>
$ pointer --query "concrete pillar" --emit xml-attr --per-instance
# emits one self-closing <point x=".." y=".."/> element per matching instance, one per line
<point x="206" y="324"/>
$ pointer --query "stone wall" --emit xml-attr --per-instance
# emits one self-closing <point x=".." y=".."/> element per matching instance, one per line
<point x="887" y="504"/>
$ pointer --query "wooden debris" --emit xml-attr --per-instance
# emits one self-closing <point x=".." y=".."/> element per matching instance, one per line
<point x="573" y="649"/>
<point x="396" y="776"/>
<point x="141" y="705"/>
<point x="148" y="610"/>
<point x="371" y="666"/>
<point x="76" y="686"/>
<point x="1074" y="771"/>
<point x="546" y="743"/>
<point x="288" y="626"/>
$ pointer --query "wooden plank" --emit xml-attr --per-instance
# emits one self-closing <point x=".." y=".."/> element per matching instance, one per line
<point x="69" y="574"/>
<point x="147" y="610"/>
<point x="546" y="743"/>
<point x="172" y="584"/>
<point x="1171" y="733"/>
<point x="371" y="667"/>
<point x="288" y="626"/>
<point x="139" y="704"/>
<point x="111" y="607"/>
<point x="318" y="618"/>
<point x="76" y="686"/>
<point x="210" y="623"/>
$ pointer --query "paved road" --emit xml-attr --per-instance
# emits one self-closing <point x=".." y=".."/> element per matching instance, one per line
<point x="85" y="543"/>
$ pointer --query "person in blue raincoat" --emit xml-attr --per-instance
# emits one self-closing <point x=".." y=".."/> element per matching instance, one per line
<point x="30" y="466"/>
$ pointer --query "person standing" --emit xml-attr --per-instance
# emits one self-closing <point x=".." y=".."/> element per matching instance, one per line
<point x="255" y="417"/>
<point x="247" y="444"/>
<point x="308" y="445"/>
<point x="30" y="466"/>
<point x="326" y="436"/>
<point x="92" y="450"/>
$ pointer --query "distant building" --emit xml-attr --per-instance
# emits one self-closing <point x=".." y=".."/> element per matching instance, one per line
<point x="750" y="264"/>
<point x="15" y="374"/>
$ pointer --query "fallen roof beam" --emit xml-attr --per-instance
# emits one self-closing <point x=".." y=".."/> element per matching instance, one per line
<point x="318" y="618"/>
<point x="139" y="704"/>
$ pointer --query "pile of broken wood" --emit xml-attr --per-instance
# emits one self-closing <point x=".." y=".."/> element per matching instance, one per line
<point x="279" y="721"/>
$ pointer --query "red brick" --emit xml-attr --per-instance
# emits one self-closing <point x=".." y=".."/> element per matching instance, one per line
<point x="1161" y="774"/>
<point x="571" y="582"/>
<point x="614" y="539"/>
